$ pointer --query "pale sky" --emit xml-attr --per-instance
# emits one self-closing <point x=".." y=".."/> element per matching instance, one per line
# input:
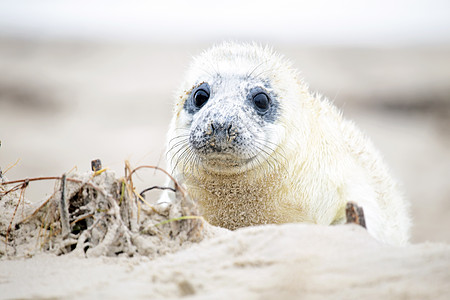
<point x="311" y="22"/>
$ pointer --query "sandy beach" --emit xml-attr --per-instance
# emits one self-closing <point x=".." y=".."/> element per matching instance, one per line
<point x="64" y="103"/>
<point x="287" y="262"/>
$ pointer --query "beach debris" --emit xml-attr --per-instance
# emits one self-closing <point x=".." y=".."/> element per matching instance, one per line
<point x="156" y="187"/>
<point x="97" y="214"/>
<point x="355" y="214"/>
<point x="63" y="208"/>
<point x="96" y="165"/>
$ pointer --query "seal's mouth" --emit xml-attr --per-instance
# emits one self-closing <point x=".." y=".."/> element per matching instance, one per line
<point x="226" y="163"/>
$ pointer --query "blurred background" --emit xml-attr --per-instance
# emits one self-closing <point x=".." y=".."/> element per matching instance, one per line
<point x="81" y="80"/>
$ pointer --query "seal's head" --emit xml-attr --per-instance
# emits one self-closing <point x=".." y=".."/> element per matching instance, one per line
<point x="229" y="117"/>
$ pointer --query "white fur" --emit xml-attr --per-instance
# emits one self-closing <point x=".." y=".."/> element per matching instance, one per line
<point x="320" y="162"/>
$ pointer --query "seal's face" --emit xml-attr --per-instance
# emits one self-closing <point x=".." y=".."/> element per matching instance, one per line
<point x="228" y="118"/>
<point x="227" y="130"/>
<point x="230" y="123"/>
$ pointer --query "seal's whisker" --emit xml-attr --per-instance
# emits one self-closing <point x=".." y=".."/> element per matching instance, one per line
<point x="254" y="69"/>
<point x="182" y="129"/>
<point x="198" y="161"/>
<point x="190" y="162"/>
<point x="176" y="148"/>
<point x="267" y="160"/>
<point x="178" y="137"/>
<point x="260" y="74"/>
<point x="272" y="156"/>
<point x="206" y="71"/>
<point x="177" y="144"/>
<point x="181" y="148"/>
<point x="186" y="158"/>
<point x="174" y="141"/>
<point x="278" y="149"/>
<point x="188" y="165"/>
<point x="179" y="158"/>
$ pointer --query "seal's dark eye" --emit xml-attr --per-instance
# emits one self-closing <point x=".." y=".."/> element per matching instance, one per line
<point x="201" y="96"/>
<point x="262" y="102"/>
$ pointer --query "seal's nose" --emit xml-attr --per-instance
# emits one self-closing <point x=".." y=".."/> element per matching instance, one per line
<point x="220" y="135"/>
<point x="220" y="129"/>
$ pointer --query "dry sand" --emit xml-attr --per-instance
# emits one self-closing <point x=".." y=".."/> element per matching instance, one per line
<point x="291" y="261"/>
<point x="65" y="103"/>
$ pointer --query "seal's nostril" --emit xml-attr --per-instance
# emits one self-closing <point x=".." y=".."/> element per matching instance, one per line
<point x="229" y="129"/>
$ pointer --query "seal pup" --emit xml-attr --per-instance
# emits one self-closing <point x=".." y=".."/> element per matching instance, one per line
<point x="253" y="146"/>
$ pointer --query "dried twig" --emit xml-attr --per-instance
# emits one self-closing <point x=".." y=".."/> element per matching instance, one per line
<point x="11" y="166"/>
<point x="142" y="199"/>
<point x="156" y="187"/>
<point x="38" y="179"/>
<point x="24" y="185"/>
<point x="98" y="189"/>
<point x="13" y="189"/>
<point x="177" y="185"/>
<point x="37" y="209"/>
<point x="81" y="218"/>
<point x="64" y="209"/>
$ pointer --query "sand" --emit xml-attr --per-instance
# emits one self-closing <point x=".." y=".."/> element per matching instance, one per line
<point x="64" y="103"/>
<point x="291" y="261"/>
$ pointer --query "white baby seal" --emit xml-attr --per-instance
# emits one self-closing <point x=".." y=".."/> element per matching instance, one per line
<point x="253" y="146"/>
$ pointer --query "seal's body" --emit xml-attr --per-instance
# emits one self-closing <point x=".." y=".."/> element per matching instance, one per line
<point x="253" y="146"/>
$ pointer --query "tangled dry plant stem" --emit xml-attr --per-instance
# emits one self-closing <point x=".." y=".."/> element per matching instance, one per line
<point x="64" y="209"/>
<point x="23" y="184"/>
<point x="177" y="185"/>
<point x="99" y="214"/>
<point x="22" y="191"/>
